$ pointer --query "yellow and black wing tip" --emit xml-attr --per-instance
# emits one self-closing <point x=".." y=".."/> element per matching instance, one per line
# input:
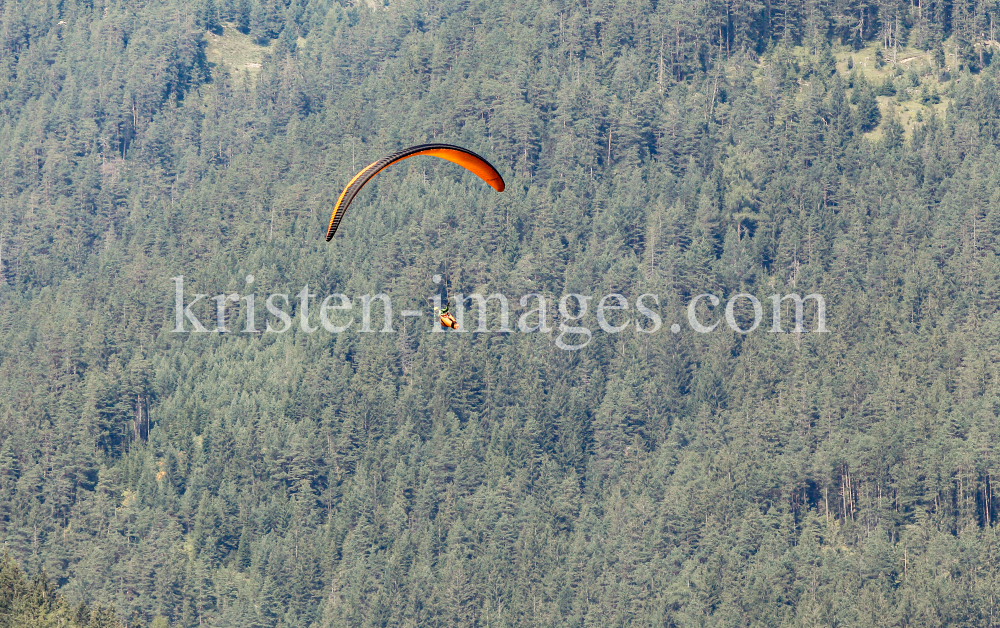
<point x="339" y="209"/>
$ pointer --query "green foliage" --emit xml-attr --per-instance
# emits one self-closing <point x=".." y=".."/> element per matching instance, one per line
<point x="868" y="113"/>
<point x="673" y="148"/>
<point x="34" y="603"/>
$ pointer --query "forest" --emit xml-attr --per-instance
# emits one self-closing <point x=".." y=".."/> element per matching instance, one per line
<point x="847" y="148"/>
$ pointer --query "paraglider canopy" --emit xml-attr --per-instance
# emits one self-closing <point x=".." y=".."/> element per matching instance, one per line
<point x="455" y="154"/>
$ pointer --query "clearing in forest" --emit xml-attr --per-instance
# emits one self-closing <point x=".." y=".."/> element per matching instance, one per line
<point x="234" y="52"/>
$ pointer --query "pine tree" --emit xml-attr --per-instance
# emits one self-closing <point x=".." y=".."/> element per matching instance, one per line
<point x="868" y="114"/>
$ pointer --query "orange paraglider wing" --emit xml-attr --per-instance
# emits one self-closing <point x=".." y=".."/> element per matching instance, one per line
<point x="455" y="154"/>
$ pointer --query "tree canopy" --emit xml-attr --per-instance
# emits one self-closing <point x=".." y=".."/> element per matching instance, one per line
<point x="847" y="148"/>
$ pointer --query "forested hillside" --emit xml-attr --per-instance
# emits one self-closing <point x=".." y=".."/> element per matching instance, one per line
<point x="842" y="147"/>
<point x="35" y="603"/>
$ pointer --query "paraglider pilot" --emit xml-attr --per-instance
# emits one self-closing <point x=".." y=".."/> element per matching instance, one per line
<point x="447" y="320"/>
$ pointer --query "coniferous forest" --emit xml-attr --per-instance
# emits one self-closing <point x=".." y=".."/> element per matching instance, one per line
<point x="846" y="148"/>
